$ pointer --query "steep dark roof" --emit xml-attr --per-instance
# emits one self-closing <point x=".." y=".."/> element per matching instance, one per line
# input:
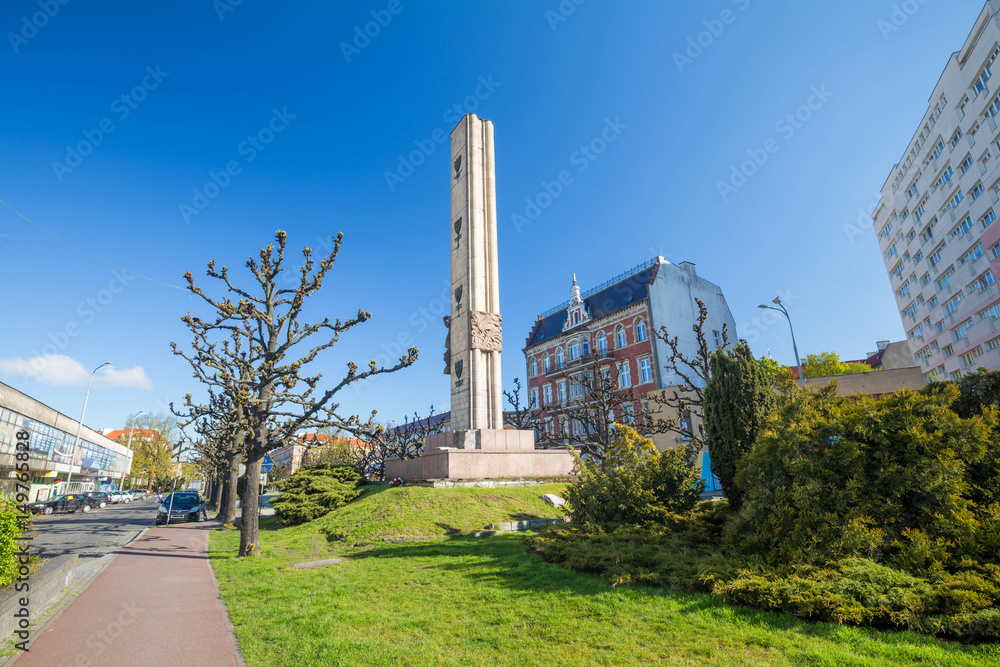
<point x="607" y="301"/>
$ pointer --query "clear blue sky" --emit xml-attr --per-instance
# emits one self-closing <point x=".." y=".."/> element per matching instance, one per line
<point x="553" y="86"/>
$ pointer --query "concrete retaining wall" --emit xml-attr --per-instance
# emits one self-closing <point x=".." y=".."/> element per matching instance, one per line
<point x="54" y="575"/>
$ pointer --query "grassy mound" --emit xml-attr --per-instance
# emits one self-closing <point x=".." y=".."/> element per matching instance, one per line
<point x="419" y="511"/>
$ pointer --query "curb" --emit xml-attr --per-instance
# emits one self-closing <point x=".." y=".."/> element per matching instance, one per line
<point x="222" y="605"/>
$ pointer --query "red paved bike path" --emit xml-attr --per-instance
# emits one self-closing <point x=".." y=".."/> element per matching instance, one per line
<point x="155" y="604"/>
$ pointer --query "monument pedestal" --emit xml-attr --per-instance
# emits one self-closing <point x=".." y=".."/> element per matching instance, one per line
<point x="482" y="454"/>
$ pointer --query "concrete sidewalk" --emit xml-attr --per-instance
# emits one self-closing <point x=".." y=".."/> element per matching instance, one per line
<point x="156" y="603"/>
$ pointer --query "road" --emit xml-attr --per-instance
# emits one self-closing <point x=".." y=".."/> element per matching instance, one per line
<point x="96" y="533"/>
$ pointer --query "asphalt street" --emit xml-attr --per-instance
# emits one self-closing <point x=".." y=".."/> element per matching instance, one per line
<point x="96" y="533"/>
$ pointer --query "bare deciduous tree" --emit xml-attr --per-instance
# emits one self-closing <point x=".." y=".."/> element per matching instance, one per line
<point x="255" y="348"/>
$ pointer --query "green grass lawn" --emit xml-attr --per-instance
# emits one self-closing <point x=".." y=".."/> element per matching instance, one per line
<point x="458" y="600"/>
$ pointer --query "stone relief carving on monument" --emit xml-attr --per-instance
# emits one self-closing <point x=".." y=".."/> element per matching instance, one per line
<point x="458" y="300"/>
<point x="447" y="346"/>
<point x="485" y="331"/>
<point x="458" y="233"/>
<point x="458" y="168"/>
<point x="459" y="365"/>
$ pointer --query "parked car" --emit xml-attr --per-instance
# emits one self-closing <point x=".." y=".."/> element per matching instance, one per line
<point x="139" y="494"/>
<point x="101" y="499"/>
<point x="120" y="497"/>
<point x="70" y="502"/>
<point x="182" y="506"/>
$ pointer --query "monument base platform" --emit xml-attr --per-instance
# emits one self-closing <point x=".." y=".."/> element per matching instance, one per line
<point x="482" y="455"/>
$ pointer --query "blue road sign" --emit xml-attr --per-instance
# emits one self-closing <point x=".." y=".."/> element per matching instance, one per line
<point x="266" y="464"/>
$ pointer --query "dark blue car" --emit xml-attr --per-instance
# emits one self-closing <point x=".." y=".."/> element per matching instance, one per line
<point x="182" y="506"/>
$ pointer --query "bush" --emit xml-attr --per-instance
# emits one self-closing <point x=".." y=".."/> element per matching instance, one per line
<point x="885" y="479"/>
<point x="316" y="491"/>
<point x="13" y="524"/>
<point x="635" y="485"/>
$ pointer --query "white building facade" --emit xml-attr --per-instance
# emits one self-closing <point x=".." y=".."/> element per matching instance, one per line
<point x="936" y="221"/>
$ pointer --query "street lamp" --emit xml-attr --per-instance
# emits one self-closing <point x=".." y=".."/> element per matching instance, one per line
<point x="129" y="445"/>
<point x="79" y="428"/>
<point x="781" y="309"/>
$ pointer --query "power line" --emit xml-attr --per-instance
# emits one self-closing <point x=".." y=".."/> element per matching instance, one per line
<point x="81" y="250"/>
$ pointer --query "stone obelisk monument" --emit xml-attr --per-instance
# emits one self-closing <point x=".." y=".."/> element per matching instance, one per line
<point x="477" y="445"/>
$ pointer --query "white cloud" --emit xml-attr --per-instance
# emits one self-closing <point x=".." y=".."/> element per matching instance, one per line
<point x="61" y="370"/>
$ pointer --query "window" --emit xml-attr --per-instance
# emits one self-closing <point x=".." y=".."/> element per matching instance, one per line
<point x="993" y="312"/>
<point x="640" y="331"/>
<point x="940" y="327"/>
<point x="884" y="234"/>
<point x="948" y="350"/>
<point x="956" y="200"/>
<point x="645" y="371"/>
<point x="534" y="367"/>
<point x="897" y="270"/>
<point x="984" y="282"/>
<point x="993" y="343"/>
<point x="576" y="387"/>
<point x="984" y="75"/>
<point x="718" y="339"/>
<point x="628" y="414"/>
<point x="963" y="329"/>
<point x="962" y="228"/>
<point x="966" y="165"/>
<point x="534" y="398"/>
<point x="937" y="150"/>
<point x="994" y="108"/>
<point x="912" y="192"/>
<point x="973" y="254"/>
<point x="988" y="219"/>
<point x="602" y="342"/>
<point x="891" y="252"/>
<point x="586" y="347"/>
<point x="945" y="177"/>
<point x="924" y="279"/>
<point x="970" y="357"/>
<point x="574" y="350"/>
<point x="926" y="235"/>
<point x="930" y="376"/>
<point x="933" y="302"/>
<point x="976" y="191"/>
<point x="942" y="282"/>
<point x="560" y="358"/>
<point x="546" y="363"/>
<point x="952" y="305"/>
<point x="622" y="338"/>
<point x="562" y="393"/>
<point x="576" y="317"/>
<point x="920" y="209"/>
<point x="624" y="376"/>
<point x="934" y="258"/>
<point x="917" y="332"/>
<point x="903" y="292"/>
<point x="547" y="393"/>
<point x="955" y="138"/>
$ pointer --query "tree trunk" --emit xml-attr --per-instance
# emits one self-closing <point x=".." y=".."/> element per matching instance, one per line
<point x="217" y="492"/>
<point x="227" y="511"/>
<point x="250" y="516"/>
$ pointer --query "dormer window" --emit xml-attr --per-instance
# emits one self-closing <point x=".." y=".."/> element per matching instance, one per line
<point x="576" y="317"/>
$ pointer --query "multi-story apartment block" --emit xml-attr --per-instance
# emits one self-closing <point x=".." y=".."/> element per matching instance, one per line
<point x="935" y="221"/>
<point x="615" y="322"/>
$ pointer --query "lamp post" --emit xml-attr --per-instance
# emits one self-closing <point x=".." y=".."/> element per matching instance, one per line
<point x="79" y="428"/>
<point x="781" y="309"/>
<point x="129" y="445"/>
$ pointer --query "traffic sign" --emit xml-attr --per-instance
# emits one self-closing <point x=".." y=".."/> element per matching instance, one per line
<point x="266" y="464"/>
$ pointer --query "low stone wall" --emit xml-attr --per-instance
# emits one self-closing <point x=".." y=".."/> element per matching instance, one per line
<point x="495" y="483"/>
<point x="54" y="575"/>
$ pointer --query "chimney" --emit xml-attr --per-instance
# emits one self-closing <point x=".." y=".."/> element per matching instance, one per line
<point x="882" y="344"/>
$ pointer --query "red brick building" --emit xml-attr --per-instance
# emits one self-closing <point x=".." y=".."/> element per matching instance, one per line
<point x="615" y="322"/>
